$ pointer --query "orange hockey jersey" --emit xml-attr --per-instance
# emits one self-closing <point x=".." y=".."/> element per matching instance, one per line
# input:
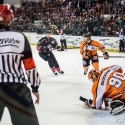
<point x="92" y="47"/>
<point x="110" y="84"/>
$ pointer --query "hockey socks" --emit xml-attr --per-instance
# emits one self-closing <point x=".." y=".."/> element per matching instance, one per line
<point x="54" y="71"/>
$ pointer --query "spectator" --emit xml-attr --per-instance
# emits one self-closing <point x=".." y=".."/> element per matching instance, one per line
<point x="110" y="32"/>
<point x="88" y="14"/>
<point x="95" y="32"/>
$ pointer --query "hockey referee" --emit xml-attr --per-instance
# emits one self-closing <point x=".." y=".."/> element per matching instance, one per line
<point x="63" y="40"/>
<point x="122" y="37"/>
<point x="122" y="40"/>
<point x="16" y="61"/>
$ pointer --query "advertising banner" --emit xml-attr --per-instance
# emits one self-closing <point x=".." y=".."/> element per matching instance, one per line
<point x="111" y="43"/>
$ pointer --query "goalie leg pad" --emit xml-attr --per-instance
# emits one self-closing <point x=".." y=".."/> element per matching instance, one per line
<point x="116" y="106"/>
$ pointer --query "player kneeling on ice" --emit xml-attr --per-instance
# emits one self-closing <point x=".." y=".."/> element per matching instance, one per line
<point x="88" y="50"/>
<point x="45" y="46"/>
<point x="108" y="87"/>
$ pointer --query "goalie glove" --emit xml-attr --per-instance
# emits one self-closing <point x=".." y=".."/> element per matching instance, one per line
<point x="116" y="106"/>
<point x="106" y="55"/>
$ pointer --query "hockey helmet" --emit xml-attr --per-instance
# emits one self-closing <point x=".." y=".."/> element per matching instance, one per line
<point x="87" y="37"/>
<point x="6" y="13"/>
<point x="93" y="75"/>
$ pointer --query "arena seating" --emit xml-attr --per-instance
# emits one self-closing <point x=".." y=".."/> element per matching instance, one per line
<point x="76" y="17"/>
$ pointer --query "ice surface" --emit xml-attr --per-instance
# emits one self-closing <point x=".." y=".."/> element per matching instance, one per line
<point x="59" y="95"/>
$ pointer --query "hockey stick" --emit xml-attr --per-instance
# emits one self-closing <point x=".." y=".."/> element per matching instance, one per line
<point x="84" y="99"/>
<point x="113" y="56"/>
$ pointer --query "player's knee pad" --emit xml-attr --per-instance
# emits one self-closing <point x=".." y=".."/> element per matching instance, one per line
<point x="116" y="106"/>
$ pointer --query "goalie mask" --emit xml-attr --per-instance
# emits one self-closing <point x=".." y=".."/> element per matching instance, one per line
<point x="87" y="37"/>
<point x="93" y="75"/>
<point x="6" y="14"/>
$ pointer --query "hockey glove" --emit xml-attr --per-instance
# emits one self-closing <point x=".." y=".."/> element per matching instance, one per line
<point x="85" y="47"/>
<point x="48" y="48"/>
<point x="87" y="103"/>
<point x="106" y="55"/>
<point x="88" y="55"/>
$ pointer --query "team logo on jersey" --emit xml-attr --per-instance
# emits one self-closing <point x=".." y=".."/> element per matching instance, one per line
<point x="92" y="47"/>
<point x="9" y="42"/>
<point x="52" y="42"/>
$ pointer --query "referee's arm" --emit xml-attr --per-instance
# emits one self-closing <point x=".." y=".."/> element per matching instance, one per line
<point x="30" y="67"/>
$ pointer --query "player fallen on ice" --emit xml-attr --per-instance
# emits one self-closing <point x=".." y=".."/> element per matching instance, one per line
<point x="88" y="50"/>
<point x="108" y="87"/>
<point x="45" y="46"/>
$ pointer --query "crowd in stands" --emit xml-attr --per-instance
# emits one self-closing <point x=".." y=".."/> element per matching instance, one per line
<point x="75" y="17"/>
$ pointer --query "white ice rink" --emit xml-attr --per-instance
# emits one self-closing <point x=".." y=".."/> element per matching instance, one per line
<point x="59" y="95"/>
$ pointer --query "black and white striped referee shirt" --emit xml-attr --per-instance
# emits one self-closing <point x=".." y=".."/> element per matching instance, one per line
<point x="15" y="56"/>
<point x="62" y="36"/>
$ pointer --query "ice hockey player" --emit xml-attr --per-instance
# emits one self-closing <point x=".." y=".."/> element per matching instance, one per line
<point x="108" y="87"/>
<point x="88" y="50"/>
<point x="45" y="46"/>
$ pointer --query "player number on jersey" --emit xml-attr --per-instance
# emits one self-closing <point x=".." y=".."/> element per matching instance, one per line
<point x="117" y="80"/>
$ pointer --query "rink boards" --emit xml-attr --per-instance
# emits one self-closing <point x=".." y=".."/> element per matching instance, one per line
<point x="111" y="43"/>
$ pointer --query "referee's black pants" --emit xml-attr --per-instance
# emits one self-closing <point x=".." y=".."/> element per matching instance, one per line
<point x="121" y="46"/>
<point x="63" y="44"/>
<point x="17" y="98"/>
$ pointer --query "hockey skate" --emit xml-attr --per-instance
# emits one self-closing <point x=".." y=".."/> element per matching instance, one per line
<point x="85" y="72"/>
<point x="55" y="73"/>
<point x="61" y="72"/>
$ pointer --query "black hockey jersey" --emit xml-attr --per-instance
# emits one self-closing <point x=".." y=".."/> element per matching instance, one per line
<point x="44" y="42"/>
